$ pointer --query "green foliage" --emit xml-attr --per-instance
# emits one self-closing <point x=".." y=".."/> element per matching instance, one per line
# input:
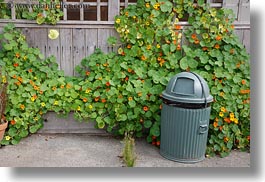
<point x="35" y="86"/>
<point x="121" y="91"/>
<point x="132" y="81"/>
<point x="46" y="11"/>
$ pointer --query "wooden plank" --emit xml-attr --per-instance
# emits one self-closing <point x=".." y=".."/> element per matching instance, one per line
<point x="113" y="9"/>
<point x="98" y="11"/>
<point x="78" y="46"/>
<point x="103" y="35"/>
<point x="246" y="40"/>
<point x="244" y="11"/>
<point x="41" y="39"/>
<point x="91" y="41"/>
<point x="66" y="52"/>
<point x="53" y="47"/>
<point x="30" y="36"/>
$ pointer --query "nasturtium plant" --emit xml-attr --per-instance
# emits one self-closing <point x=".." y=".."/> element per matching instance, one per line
<point x="45" y="11"/>
<point x="156" y="47"/>
<point x="121" y="90"/>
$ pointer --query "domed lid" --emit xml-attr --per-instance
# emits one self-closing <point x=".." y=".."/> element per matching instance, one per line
<point x="187" y="87"/>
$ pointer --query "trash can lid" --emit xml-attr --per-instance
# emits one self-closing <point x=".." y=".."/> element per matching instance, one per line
<point x="187" y="87"/>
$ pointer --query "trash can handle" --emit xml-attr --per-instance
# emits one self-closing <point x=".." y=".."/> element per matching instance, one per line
<point x="203" y="128"/>
<point x="205" y="100"/>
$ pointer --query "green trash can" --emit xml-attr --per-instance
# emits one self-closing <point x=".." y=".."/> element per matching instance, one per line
<point x="185" y="118"/>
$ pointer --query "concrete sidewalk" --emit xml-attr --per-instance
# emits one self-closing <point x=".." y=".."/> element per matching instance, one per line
<point x="82" y="150"/>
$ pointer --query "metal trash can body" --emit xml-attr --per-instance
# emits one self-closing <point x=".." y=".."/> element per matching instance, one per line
<point x="185" y="118"/>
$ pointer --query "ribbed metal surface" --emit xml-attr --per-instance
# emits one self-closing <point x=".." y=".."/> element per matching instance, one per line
<point x="184" y="133"/>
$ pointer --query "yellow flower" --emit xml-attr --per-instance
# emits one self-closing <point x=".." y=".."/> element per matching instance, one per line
<point x="236" y="121"/>
<point x="90" y="107"/>
<point x="134" y="17"/>
<point x="232" y="115"/>
<point x="3" y="79"/>
<point x="56" y="103"/>
<point x="158" y="46"/>
<point x="32" y="99"/>
<point x="221" y="114"/>
<point x="147" y="5"/>
<point x="118" y="21"/>
<point x="148" y="47"/>
<point x="7" y="137"/>
<point x="53" y="34"/>
<point x="88" y="91"/>
<point x="43" y="104"/>
<point x="78" y="108"/>
<point x="223" y="109"/>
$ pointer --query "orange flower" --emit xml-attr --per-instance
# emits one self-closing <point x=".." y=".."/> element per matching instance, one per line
<point x="215" y="124"/>
<point x="30" y="70"/>
<point x="243" y="82"/>
<point x="158" y="143"/>
<point x="15" y="64"/>
<point x="87" y="73"/>
<point x="178" y="27"/>
<point x="226" y="139"/>
<point x="232" y="26"/>
<point x="13" y="122"/>
<point x="84" y="99"/>
<point x="18" y="83"/>
<point x="179" y="47"/>
<point x="68" y="86"/>
<point x="108" y="84"/>
<point x="196" y="41"/>
<point x="160" y="107"/>
<point x="139" y="94"/>
<point x="20" y="79"/>
<point x="238" y="65"/>
<point x="145" y="108"/>
<point x="36" y="87"/>
<point x="222" y="94"/>
<point x="143" y="58"/>
<point x="14" y="76"/>
<point x="127" y="78"/>
<point x="232" y="51"/>
<point x="129" y="46"/>
<point x="97" y="99"/>
<point x="40" y="15"/>
<point x="227" y="120"/>
<point x="218" y="37"/>
<point x="159" y="59"/>
<point x="245" y="91"/>
<point x="17" y="55"/>
<point x="62" y="86"/>
<point x="22" y="106"/>
<point x="193" y="36"/>
<point x="220" y="128"/>
<point x="129" y="70"/>
<point x="130" y="98"/>
<point x="205" y="48"/>
<point x="217" y="46"/>
<point x="103" y="100"/>
<point x="248" y="137"/>
<point x="54" y="88"/>
<point x="41" y="92"/>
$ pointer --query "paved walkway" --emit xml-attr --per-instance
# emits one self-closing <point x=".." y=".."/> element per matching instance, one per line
<point x="81" y="150"/>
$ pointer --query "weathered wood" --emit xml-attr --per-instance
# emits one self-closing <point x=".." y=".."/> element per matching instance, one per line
<point x="41" y="39"/>
<point x="66" y="51"/>
<point x="103" y="35"/>
<point x="246" y="40"/>
<point x="113" y="9"/>
<point x="91" y="41"/>
<point x="78" y="46"/>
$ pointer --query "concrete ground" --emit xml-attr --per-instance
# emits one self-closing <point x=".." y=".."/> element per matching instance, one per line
<point x="82" y="150"/>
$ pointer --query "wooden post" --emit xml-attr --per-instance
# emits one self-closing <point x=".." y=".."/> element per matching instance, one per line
<point x="113" y="9"/>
